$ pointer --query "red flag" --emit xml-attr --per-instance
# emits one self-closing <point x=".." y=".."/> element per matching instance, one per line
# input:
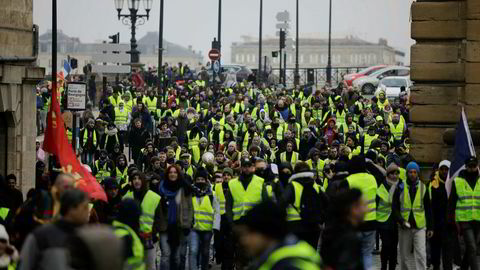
<point x="56" y="143"/>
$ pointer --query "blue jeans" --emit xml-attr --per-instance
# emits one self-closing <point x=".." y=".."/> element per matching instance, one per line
<point x="173" y="252"/>
<point x="368" y="244"/>
<point x="199" y="249"/>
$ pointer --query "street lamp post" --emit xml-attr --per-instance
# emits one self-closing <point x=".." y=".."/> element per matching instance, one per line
<point x="133" y="19"/>
<point x="329" y="63"/>
<point x="296" y="79"/>
<point x="219" y="35"/>
<point x="259" y="72"/>
<point x="160" y="47"/>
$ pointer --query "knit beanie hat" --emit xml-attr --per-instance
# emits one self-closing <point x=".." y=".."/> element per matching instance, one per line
<point x="413" y="166"/>
<point x="201" y="172"/>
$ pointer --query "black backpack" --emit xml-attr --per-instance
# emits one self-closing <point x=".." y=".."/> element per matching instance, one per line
<point x="312" y="205"/>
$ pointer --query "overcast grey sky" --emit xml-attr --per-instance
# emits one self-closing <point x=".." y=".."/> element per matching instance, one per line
<point x="194" y="22"/>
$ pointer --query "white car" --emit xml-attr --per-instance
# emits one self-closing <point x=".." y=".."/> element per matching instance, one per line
<point x="392" y="86"/>
<point x="368" y="84"/>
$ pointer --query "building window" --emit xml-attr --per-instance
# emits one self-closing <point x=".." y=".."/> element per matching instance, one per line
<point x="290" y="59"/>
<point x="254" y="59"/>
<point x="248" y="58"/>
<point x="324" y="58"/>
<point x="301" y="59"/>
<point x="242" y="58"/>
<point x="237" y="58"/>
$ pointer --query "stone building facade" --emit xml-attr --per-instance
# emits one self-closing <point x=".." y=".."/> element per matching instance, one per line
<point x="445" y="66"/>
<point x="313" y="53"/>
<point x="18" y="77"/>
<point x="83" y="52"/>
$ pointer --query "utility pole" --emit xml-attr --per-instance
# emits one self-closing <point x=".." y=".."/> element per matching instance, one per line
<point x="259" y="73"/>
<point x="219" y="35"/>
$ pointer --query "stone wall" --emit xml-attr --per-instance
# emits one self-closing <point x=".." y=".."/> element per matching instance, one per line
<point x="445" y="66"/>
<point x="18" y="78"/>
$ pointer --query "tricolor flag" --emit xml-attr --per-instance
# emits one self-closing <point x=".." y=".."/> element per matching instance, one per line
<point x="463" y="149"/>
<point x="56" y="143"/>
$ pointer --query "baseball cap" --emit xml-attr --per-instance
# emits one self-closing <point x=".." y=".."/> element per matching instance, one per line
<point x="471" y="161"/>
<point x="445" y="163"/>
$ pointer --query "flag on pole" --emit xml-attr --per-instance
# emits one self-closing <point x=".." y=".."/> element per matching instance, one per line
<point x="66" y="66"/>
<point x="56" y="143"/>
<point x="463" y="149"/>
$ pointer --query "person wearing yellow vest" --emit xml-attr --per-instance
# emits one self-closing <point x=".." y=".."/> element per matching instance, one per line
<point x="387" y="226"/>
<point x="369" y="138"/>
<point x="223" y="238"/>
<point x="245" y="192"/>
<point x="127" y="227"/>
<point x="463" y="207"/>
<point x="366" y="183"/>
<point x="150" y="101"/>
<point x="206" y="218"/>
<point x="412" y="210"/>
<point x="115" y="99"/>
<point x="103" y="167"/>
<point x="263" y="234"/>
<point x="289" y="155"/>
<point x="397" y="128"/>
<point x="304" y="225"/>
<point x="121" y="119"/>
<point x="111" y="138"/>
<point x="151" y="215"/>
<point x="89" y="141"/>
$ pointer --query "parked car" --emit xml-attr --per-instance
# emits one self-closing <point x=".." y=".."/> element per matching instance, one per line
<point x="393" y="86"/>
<point x="242" y="72"/>
<point x="349" y="78"/>
<point x="368" y="84"/>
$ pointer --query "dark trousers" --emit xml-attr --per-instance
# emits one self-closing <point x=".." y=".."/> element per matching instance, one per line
<point x="223" y="243"/>
<point x="388" y="255"/>
<point x="442" y="247"/>
<point x="471" y="236"/>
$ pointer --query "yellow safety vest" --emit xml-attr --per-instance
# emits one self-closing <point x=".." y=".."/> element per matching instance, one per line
<point x="193" y="142"/>
<point x="245" y="200"/>
<point x="121" y="176"/>
<point x="468" y="202"/>
<point x="203" y="214"/>
<point x="103" y="172"/>
<point x="220" y="136"/>
<point x="121" y="118"/>
<point x="4" y="212"/>
<point x="151" y="104"/>
<point x="149" y="205"/>
<point x="397" y="131"/>
<point x="417" y="207"/>
<point x="320" y="165"/>
<point x="221" y="197"/>
<point x="368" y="185"/>
<point x="136" y="261"/>
<point x="293" y="213"/>
<point x="384" y="207"/>
<point x="85" y="137"/>
<point x="114" y="101"/>
<point x="367" y="141"/>
<point x="304" y="257"/>
<point x="293" y="161"/>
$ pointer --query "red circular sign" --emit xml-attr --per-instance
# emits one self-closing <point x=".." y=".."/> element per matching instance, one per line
<point x="214" y="54"/>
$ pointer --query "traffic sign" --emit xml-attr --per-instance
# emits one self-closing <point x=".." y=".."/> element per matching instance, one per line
<point x="216" y="66"/>
<point x="110" y="59"/>
<point x="283" y="16"/>
<point x="76" y="96"/>
<point x="214" y="54"/>
<point x="283" y="26"/>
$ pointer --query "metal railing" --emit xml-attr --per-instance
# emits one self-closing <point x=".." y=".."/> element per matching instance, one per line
<point x="319" y="75"/>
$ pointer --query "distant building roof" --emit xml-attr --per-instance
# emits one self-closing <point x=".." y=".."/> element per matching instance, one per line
<point x="148" y="44"/>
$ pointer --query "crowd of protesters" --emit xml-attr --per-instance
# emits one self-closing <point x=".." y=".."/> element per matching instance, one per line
<point x="246" y="176"/>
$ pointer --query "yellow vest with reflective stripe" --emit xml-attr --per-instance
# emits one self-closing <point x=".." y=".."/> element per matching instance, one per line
<point x="103" y="172"/>
<point x="468" y="202"/>
<point x="367" y="141"/>
<point x="151" y="104"/>
<point x="85" y="137"/>
<point x="220" y="197"/>
<point x="417" y="207"/>
<point x="4" y="212"/>
<point x="121" y="176"/>
<point x="293" y="213"/>
<point x="114" y="101"/>
<point x="397" y="131"/>
<point x="220" y="136"/>
<point x="221" y="121"/>
<point x="320" y="165"/>
<point x="303" y="257"/>
<point x="193" y="142"/>
<point x="128" y="105"/>
<point x="368" y="185"/>
<point x="293" y="161"/>
<point x="203" y="214"/>
<point x="121" y="118"/>
<point x="245" y="200"/>
<point x="149" y="206"/>
<point x="384" y="207"/>
<point x="136" y="261"/>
